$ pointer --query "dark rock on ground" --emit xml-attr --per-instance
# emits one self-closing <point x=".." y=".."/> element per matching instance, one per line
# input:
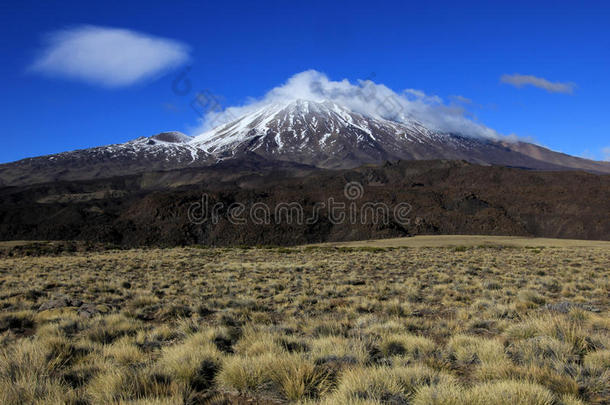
<point x="88" y="310"/>
<point x="60" y="302"/>
<point x="566" y="306"/>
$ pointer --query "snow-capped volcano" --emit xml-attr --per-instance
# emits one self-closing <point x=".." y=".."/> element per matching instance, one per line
<point x="323" y="134"/>
<point x="305" y="121"/>
<point x="301" y="121"/>
<point x="320" y="133"/>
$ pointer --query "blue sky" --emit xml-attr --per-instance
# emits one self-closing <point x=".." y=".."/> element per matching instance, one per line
<point x="238" y="50"/>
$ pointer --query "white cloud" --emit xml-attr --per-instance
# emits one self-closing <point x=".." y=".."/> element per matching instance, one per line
<point x="111" y="57"/>
<point x="519" y="81"/>
<point x="460" y="99"/>
<point x="365" y="97"/>
<point x="606" y="153"/>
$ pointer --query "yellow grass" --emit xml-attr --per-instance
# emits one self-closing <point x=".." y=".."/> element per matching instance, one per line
<point x="484" y="321"/>
<point x="472" y="240"/>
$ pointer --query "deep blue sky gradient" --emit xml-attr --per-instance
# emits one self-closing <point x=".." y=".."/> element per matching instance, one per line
<point x="241" y="49"/>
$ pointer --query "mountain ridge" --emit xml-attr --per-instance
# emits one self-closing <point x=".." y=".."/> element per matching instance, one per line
<point x="315" y="133"/>
<point x="328" y="135"/>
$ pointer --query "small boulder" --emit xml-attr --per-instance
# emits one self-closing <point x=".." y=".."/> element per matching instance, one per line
<point x="566" y="306"/>
<point x="75" y="302"/>
<point x="60" y="302"/>
<point x="88" y="310"/>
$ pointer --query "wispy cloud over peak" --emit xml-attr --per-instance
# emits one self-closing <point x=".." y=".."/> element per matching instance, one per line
<point x="460" y="99"/>
<point x="364" y="97"/>
<point x="519" y="81"/>
<point x="110" y="57"/>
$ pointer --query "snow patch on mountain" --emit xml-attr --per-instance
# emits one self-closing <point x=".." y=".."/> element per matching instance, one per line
<point x="300" y="122"/>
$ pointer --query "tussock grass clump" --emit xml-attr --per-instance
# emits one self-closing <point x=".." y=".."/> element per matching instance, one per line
<point x="299" y="378"/>
<point x="107" y="329"/>
<point x="440" y="394"/>
<point x="25" y="375"/>
<point x="336" y="349"/>
<point x="291" y="377"/>
<point x="193" y="364"/>
<point x="247" y="374"/>
<point x="476" y="350"/>
<point x="559" y="327"/>
<point x="124" y="352"/>
<point x="406" y="345"/>
<point x="258" y="341"/>
<point x="599" y="360"/>
<point x="386" y="384"/>
<point x="122" y="384"/>
<point x="509" y="393"/>
<point x="498" y="393"/>
<point x="541" y="351"/>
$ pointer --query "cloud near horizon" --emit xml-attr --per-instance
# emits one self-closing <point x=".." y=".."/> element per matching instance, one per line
<point x="364" y="97"/>
<point x="519" y="81"/>
<point x="109" y="57"/>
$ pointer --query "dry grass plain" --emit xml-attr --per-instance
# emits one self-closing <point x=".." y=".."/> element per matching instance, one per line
<point x="465" y="324"/>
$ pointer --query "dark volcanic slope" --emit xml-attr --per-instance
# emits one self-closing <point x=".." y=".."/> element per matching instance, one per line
<point x="447" y="197"/>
